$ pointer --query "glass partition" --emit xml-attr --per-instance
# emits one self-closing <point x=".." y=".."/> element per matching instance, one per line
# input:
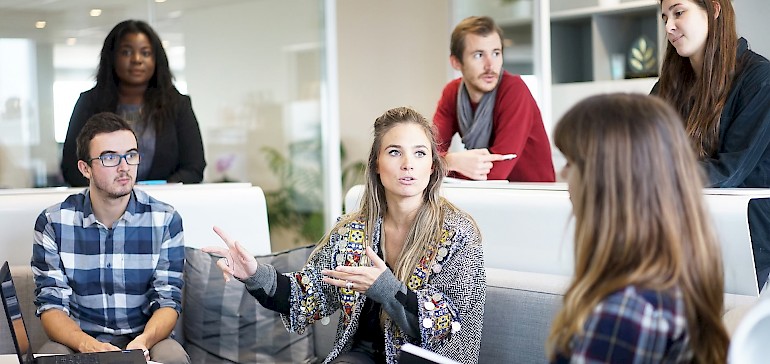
<point x="253" y="69"/>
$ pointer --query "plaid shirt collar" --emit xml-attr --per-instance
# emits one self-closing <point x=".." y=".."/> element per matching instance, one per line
<point x="129" y="215"/>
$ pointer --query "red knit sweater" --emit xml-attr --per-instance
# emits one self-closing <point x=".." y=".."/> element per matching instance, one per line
<point x="518" y="129"/>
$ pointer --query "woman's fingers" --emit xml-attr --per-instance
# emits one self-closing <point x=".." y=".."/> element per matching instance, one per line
<point x="335" y="282"/>
<point x="361" y="275"/>
<point x="217" y="250"/>
<point x="339" y="274"/>
<point x="377" y="262"/>
<point x="226" y="238"/>
<point x="227" y="271"/>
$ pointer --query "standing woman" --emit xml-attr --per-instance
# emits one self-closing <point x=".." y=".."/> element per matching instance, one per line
<point x="722" y="91"/>
<point x="134" y="81"/>
<point x="648" y="282"/>
<point x="407" y="267"/>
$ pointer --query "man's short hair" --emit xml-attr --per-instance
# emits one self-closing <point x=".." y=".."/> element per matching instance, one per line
<point x="104" y="122"/>
<point x="479" y="25"/>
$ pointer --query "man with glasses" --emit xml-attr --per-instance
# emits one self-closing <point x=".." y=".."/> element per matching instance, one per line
<point x="108" y="261"/>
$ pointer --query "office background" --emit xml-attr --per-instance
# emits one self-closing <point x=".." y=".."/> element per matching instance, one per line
<point x="274" y="84"/>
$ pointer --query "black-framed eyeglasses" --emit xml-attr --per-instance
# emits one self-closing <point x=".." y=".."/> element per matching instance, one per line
<point x="113" y="159"/>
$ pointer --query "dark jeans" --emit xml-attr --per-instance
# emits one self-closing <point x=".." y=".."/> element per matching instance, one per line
<point x="360" y="354"/>
<point x="759" y="230"/>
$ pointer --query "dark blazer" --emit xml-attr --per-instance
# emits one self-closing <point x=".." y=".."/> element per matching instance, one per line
<point x="178" y="147"/>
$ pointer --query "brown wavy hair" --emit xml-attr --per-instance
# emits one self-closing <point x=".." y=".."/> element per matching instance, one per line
<point x="639" y="217"/>
<point x="700" y="100"/>
<point x="478" y="25"/>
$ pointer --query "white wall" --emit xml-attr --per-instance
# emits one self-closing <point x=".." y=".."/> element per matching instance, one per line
<point x="391" y="53"/>
<point x="751" y="19"/>
<point x="240" y="77"/>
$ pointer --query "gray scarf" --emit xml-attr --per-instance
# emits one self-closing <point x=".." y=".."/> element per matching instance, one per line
<point x="475" y="128"/>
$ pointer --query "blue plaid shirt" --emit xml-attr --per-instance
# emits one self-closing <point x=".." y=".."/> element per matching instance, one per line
<point x="109" y="281"/>
<point x="634" y="325"/>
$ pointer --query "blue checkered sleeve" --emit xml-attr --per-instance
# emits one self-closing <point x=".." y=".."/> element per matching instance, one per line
<point x="51" y="284"/>
<point x="167" y="286"/>
<point x="635" y="326"/>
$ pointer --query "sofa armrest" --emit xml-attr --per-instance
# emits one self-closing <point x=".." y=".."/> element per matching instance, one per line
<point x="517" y="315"/>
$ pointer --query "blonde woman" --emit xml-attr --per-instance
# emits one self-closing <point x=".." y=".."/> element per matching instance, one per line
<point x="407" y="267"/>
<point x="648" y="283"/>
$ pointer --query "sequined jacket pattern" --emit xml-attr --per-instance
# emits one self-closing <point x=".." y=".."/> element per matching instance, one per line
<point x="449" y="282"/>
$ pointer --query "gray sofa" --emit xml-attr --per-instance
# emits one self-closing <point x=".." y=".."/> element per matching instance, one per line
<point x="517" y="319"/>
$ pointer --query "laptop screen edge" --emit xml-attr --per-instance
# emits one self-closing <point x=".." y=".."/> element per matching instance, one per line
<point x="5" y="276"/>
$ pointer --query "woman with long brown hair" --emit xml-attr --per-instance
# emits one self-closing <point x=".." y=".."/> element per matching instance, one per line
<point x="407" y="267"/>
<point x="648" y="283"/>
<point x="721" y="89"/>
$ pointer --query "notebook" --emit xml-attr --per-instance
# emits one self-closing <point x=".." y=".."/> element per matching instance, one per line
<point x="413" y="354"/>
<point x="21" y="338"/>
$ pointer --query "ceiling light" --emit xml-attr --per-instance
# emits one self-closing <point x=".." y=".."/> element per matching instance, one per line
<point x="160" y="1"/>
<point x="165" y="43"/>
<point x="40" y="24"/>
<point x="71" y="41"/>
<point x="95" y="12"/>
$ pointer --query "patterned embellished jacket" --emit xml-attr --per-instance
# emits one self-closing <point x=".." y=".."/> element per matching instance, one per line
<point x="449" y="282"/>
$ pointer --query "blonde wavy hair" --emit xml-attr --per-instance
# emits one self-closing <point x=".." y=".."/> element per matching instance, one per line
<point x="639" y="217"/>
<point x="428" y="223"/>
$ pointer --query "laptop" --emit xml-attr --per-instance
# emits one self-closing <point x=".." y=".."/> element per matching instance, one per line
<point x="21" y="338"/>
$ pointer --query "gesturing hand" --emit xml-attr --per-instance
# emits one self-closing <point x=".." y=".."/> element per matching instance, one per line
<point x="356" y="278"/>
<point x="235" y="261"/>
<point x="474" y="163"/>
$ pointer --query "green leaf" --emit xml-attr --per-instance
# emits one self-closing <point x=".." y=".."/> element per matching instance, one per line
<point x="650" y="64"/>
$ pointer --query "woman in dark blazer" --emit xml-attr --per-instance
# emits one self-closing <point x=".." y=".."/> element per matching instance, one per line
<point x="134" y="80"/>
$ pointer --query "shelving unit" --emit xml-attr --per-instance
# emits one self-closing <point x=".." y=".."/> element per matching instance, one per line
<point x="518" y="54"/>
<point x="584" y="36"/>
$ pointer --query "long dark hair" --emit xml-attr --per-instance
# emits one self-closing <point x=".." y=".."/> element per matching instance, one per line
<point x="159" y="97"/>
<point x="700" y="100"/>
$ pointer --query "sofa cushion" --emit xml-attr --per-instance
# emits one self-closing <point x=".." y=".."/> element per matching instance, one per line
<point x="517" y="315"/>
<point x="224" y="323"/>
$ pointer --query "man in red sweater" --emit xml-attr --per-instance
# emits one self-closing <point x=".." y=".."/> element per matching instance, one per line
<point x="493" y="111"/>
